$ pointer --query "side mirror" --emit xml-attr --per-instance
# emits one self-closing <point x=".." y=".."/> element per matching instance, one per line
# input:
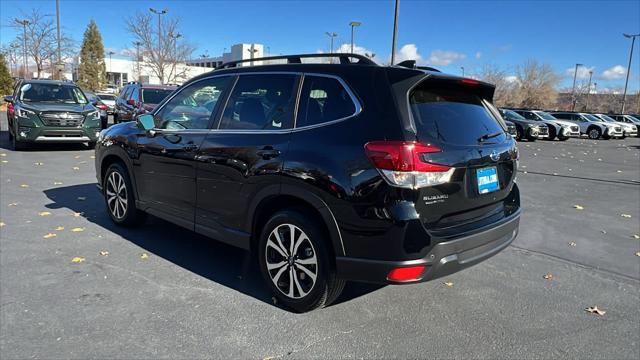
<point x="131" y="102"/>
<point x="8" y="99"/>
<point x="146" y="120"/>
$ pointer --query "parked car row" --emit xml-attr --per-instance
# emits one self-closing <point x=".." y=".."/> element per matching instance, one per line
<point x="563" y="125"/>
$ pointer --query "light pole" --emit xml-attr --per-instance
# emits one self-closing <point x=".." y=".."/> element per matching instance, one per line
<point x="203" y="56"/>
<point x="586" y="106"/>
<point x="331" y="35"/>
<point x="13" y="57"/>
<point x="353" y="25"/>
<point x="110" y="71"/>
<point x="462" y="68"/>
<point x="160" y="60"/>
<point x="626" y="82"/>
<point x="175" y="38"/>
<point x="252" y="51"/>
<point x="395" y="32"/>
<point x="24" y="24"/>
<point x="58" y="70"/>
<point x="573" y="90"/>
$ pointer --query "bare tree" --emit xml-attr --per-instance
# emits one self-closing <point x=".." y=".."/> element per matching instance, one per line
<point x="537" y="84"/>
<point x="162" y="55"/>
<point x="41" y="40"/>
<point x="506" y="94"/>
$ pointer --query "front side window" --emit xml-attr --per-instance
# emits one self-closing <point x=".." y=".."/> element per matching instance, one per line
<point x="155" y="96"/>
<point x="34" y="92"/>
<point x="192" y="107"/>
<point x="261" y="102"/>
<point x="323" y="99"/>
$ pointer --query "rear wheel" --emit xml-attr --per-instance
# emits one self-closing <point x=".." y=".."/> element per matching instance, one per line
<point x="295" y="262"/>
<point x="115" y="118"/>
<point x="518" y="134"/>
<point x="119" y="196"/>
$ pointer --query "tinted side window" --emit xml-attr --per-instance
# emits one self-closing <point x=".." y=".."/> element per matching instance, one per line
<point x="135" y="93"/>
<point x="261" y="102"/>
<point x="530" y="116"/>
<point x="323" y="99"/>
<point x="123" y="93"/>
<point x="192" y="107"/>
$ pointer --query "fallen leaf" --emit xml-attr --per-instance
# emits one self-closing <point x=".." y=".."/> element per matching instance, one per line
<point x="595" y="310"/>
<point x="38" y="163"/>
<point x="572" y="244"/>
<point x="603" y="231"/>
<point x="448" y="284"/>
<point x="638" y="253"/>
<point x="13" y="204"/>
<point x="82" y="198"/>
<point x="77" y="157"/>
<point x="82" y="162"/>
<point x="2" y="224"/>
<point x="44" y="213"/>
<point x="619" y="171"/>
<point x="77" y="214"/>
<point x="49" y="235"/>
<point x="77" y="259"/>
<point x="57" y="183"/>
<point x="625" y="215"/>
<point x="77" y="229"/>
<point x="104" y="253"/>
<point x="76" y="168"/>
<point x="548" y="276"/>
<point x="5" y="161"/>
<point x="3" y="154"/>
<point x="59" y="228"/>
<point x="92" y="156"/>
<point x="24" y="186"/>
<point x="636" y="236"/>
<point x="144" y="256"/>
<point x="578" y="207"/>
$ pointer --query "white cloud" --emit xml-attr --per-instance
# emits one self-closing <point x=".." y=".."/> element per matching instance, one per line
<point x="346" y="48"/>
<point x="409" y="52"/>
<point x="583" y="72"/>
<point x="444" y="58"/>
<point x="613" y="73"/>
<point x="478" y="55"/>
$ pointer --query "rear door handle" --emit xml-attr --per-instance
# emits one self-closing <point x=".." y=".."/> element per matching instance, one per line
<point x="268" y="152"/>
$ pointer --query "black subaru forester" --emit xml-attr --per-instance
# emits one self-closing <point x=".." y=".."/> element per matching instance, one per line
<point x="326" y="171"/>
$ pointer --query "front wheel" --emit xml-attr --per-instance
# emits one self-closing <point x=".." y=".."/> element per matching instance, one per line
<point x="17" y="144"/>
<point x="563" y="138"/>
<point x="119" y="196"/>
<point x="295" y="262"/>
<point x="594" y="133"/>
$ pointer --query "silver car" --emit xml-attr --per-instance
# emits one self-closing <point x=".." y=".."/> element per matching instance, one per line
<point x="110" y="101"/>
<point x="627" y="129"/>
<point x="560" y="129"/>
<point x="590" y="125"/>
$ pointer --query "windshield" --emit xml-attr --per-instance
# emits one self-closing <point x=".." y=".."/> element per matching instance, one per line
<point x="442" y="114"/>
<point x="633" y="119"/>
<point x="59" y="93"/>
<point x="545" y="115"/>
<point x="107" y="97"/>
<point x="606" y="118"/>
<point x="510" y="114"/>
<point x="591" y="118"/>
<point x="154" y="96"/>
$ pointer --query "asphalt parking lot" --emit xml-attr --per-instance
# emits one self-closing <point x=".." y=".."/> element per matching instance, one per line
<point x="159" y="291"/>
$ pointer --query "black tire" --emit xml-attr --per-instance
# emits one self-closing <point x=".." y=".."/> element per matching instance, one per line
<point x="115" y="118"/>
<point x="594" y="133"/>
<point x="552" y="133"/>
<point x="131" y="215"/>
<point x="17" y="144"/>
<point x="563" y="138"/>
<point x="91" y="145"/>
<point x="518" y="134"/>
<point x="103" y="122"/>
<point x="325" y="289"/>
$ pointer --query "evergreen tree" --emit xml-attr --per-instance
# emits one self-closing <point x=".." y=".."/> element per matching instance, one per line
<point x="92" y="70"/>
<point x="6" y="83"/>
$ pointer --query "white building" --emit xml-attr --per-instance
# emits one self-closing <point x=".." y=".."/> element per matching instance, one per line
<point x="238" y="52"/>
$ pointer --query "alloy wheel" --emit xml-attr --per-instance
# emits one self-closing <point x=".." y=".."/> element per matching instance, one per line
<point x="291" y="261"/>
<point x="594" y="134"/>
<point x="116" y="191"/>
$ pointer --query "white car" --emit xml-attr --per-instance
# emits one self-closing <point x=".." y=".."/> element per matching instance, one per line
<point x="110" y="101"/>
<point x="591" y="125"/>
<point x="627" y="129"/>
<point x="560" y="129"/>
<point x="628" y="119"/>
<point x="110" y="89"/>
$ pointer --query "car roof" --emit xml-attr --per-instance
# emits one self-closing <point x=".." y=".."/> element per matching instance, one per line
<point x="43" y="81"/>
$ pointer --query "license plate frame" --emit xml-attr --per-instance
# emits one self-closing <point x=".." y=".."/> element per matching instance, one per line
<point x="487" y="180"/>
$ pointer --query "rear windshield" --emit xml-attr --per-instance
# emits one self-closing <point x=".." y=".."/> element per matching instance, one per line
<point x="107" y="97"/>
<point x="154" y="96"/>
<point x="453" y="116"/>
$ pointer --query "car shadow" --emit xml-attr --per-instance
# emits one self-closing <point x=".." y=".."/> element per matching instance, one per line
<point x="216" y="261"/>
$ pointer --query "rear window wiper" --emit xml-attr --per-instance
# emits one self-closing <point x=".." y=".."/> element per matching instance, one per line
<point x="488" y="136"/>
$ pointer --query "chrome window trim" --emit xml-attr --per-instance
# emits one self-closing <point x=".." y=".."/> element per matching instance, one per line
<point x="217" y="130"/>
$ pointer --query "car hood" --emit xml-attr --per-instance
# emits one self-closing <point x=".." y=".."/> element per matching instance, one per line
<point x="562" y="122"/>
<point x="44" y="106"/>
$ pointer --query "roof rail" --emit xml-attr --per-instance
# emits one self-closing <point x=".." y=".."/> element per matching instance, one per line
<point x="345" y="58"/>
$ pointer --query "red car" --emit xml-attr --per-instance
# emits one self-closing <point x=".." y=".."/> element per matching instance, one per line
<point x="136" y="98"/>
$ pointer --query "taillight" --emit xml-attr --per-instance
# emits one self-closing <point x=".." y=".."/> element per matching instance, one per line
<point x="467" y="81"/>
<point x="403" y="274"/>
<point x="102" y="106"/>
<point x="401" y="165"/>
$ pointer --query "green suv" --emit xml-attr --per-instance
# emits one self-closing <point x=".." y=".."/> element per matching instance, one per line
<point x="49" y="111"/>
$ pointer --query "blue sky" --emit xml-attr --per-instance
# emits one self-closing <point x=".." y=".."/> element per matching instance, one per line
<point x="445" y="34"/>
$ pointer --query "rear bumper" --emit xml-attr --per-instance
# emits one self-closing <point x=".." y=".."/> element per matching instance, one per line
<point x="444" y="258"/>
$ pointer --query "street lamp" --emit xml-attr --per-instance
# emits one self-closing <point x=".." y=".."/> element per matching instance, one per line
<point x="252" y="51"/>
<point x="175" y="38"/>
<point x="24" y="24"/>
<point x="331" y="35"/>
<point x="160" y="62"/>
<point x="395" y="32"/>
<point x="110" y="71"/>
<point x="462" y="68"/>
<point x="59" y="64"/>
<point x="353" y="25"/>
<point x="586" y="106"/>
<point x="138" y="44"/>
<point x="573" y="90"/>
<point x="626" y="82"/>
